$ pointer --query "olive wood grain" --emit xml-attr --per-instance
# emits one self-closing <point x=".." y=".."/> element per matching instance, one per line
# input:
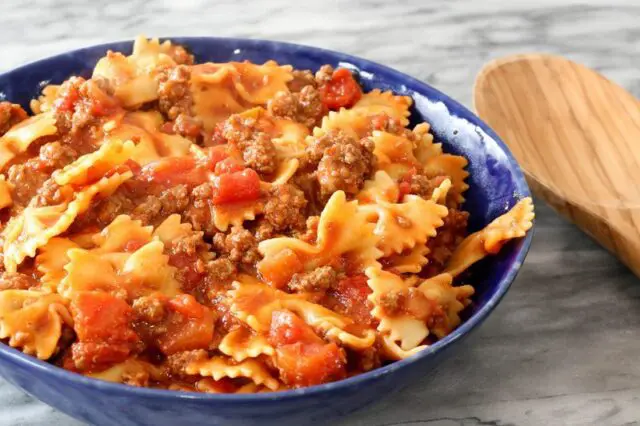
<point x="576" y="136"/>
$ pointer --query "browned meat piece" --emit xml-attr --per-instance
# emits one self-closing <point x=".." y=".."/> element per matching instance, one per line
<point x="304" y="107"/>
<point x="26" y="178"/>
<point x="285" y="207"/>
<point x="449" y="236"/>
<point x="264" y="230"/>
<point x="258" y="151"/>
<point x="199" y="210"/>
<point x="155" y="209"/>
<point x="392" y="302"/>
<point x="301" y="79"/>
<point x="345" y="167"/>
<point x="221" y="270"/>
<point x="55" y="155"/>
<point x="181" y="55"/>
<point x="188" y="127"/>
<point x="320" y="279"/>
<point x="174" y="96"/>
<point x="81" y="102"/>
<point x="324" y="74"/>
<point x="10" y="115"/>
<point x="16" y="281"/>
<point x="149" y="309"/>
<point x="177" y="363"/>
<point x="239" y="245"/>
<point x="317" y="146"/>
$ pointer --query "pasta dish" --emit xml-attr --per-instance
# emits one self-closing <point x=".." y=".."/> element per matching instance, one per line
<point x="230" y="227"/>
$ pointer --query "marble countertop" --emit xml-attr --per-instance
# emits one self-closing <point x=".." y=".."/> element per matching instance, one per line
<point x="563" y="346"/>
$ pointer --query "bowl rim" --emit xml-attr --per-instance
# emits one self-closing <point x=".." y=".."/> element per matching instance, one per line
<point x="15" y="356"/>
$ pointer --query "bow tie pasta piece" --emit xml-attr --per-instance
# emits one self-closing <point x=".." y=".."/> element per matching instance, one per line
<point x="219" y="368"/>
<point x="32" y="320"/>
<point x="51" y="259"/>
<point x="380" y="189"/>
<point x="152" y="143"/>
<point x="330" y="324"/>
<point x="401" y="226"/>
<point x="343" y="232"/>
<point x="5" y="193"/>
<point x="253" y="388"/>
<point x="452" y="166"/>
<point x="350" y="122"/>
<point x="357" y="120"/>
<point x="254" y="303"/>
<point x="394" y="153"/>
<point x="513" y="224"/>
<point x="112" y="153"/>
<point x="118" y="234"/>
<point x="425" y="149"/>
<point x="132" y="371"/>
<point x="410" y="261"/>
<point x="289" y="138"/>
<point x="220" y="90"/>
<point x="172" y="229"/>
<point x="451" y="300"/>
<point x="440" y="193"/>
<point x="376" y="102"/>
<point x="133" y="77"/>
<point x="45" y="101"/>
<point x="390" y="349"/>
<point x="234" y="214"/>
<point x="35" y="226"/>
<point x="20" y="136"/>
<point x="143" y="272"/>
<point x="403" y="327"/>
<point x="241" y="344"/>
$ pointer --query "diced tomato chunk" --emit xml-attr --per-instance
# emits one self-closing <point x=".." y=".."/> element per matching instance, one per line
<point x="216" y="155"/>
<point x="277" y="270"/>
<point x="302" y="357"/>
<point x="306" y="365"/>
<point x="228" y="165"/>
<point x="102" y="323"/>
<point x="236" y="186"/>
<point x="189" y="326"/>
<point x="133" y="245"/>
<point x="188" y="264"/>
<point x="342" y="91"/>
<point x="101" y="316"/>
<point x="350" y="296"/>
<point x="287" y="328"/>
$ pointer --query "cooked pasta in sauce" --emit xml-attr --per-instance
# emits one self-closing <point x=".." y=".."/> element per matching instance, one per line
<point x="229" y="227"/>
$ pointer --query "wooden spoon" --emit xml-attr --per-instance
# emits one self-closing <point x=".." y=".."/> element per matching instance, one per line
<point x="577" y="138"/>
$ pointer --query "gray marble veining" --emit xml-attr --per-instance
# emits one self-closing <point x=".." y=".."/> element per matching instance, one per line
<point x="563" y="347"/>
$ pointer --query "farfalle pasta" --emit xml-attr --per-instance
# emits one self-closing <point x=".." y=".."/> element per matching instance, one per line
<point x="230" y="227"/>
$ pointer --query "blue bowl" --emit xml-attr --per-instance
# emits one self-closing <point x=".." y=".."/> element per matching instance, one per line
<point x="496" y="183"/>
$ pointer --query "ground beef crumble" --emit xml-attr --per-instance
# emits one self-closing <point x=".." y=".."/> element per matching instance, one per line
<point x="258" y="151"/>
<point x="449" y="236"/>
<point x="304" y="107"/>
<point x="285" y="207"/>
<point x="16" y="281"/>
<point x="345" y="165"/>
<point x="320" y="279"/>
<point x="174" y="95"/>
<point x="10" y="115"/>
<point x="239" y="245"/>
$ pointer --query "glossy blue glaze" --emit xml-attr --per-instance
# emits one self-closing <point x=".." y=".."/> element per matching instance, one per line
<point x="496" y="183"/>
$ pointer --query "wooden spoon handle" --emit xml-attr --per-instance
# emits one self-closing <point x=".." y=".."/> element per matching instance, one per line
<point x="577" y="138"/>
